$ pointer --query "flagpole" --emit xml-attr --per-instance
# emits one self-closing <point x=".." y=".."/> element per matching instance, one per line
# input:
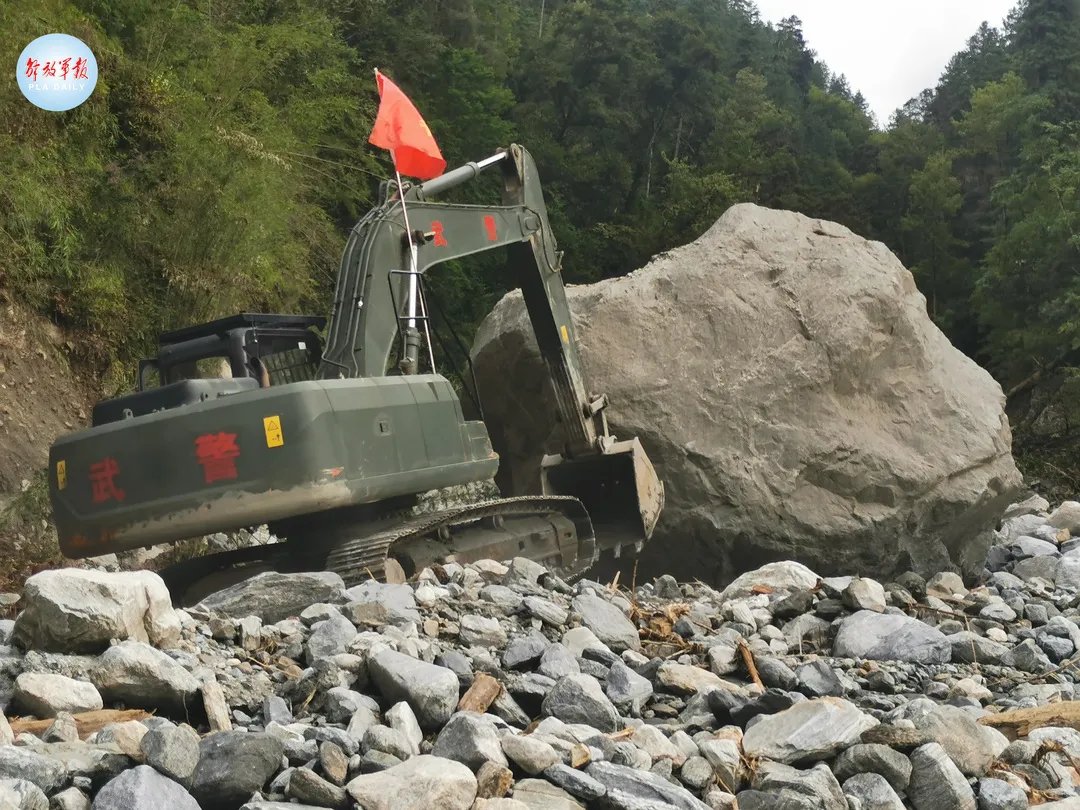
<point x="412" y="336"/>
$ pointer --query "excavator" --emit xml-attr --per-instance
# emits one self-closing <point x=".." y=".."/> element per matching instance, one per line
<point x="337" y="433"/>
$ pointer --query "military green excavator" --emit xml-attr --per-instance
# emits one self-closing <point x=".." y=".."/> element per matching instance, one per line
<point x="255" y="419"/>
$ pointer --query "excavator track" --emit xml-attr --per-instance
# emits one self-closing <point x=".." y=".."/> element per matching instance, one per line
<point x="555" y="531"/>
<point x="367" y="557"/>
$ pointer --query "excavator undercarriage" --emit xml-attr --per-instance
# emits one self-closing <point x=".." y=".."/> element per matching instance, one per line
<point x="257" y="419"/>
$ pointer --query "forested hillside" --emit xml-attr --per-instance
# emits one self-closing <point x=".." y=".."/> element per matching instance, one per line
<point x="223" y="156"/>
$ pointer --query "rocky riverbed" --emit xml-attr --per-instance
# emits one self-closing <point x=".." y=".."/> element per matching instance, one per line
<point x="499" y="687"/>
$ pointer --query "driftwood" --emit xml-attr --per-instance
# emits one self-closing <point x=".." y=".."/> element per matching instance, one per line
<point x="1021" y="722"/>
<point x="86" y="722"/>
<point x="481" y="694"/>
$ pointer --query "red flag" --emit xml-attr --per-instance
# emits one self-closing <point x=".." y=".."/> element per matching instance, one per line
<point x="401" y="129"/>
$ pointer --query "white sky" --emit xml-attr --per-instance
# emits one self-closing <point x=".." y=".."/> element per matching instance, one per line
<point x="889" y="50"/>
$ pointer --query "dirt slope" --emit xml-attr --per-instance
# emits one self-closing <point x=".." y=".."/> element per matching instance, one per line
<point x="40" y="396"/>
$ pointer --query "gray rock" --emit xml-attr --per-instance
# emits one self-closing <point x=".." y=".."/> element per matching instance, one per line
<point x="273" y="597"/>
<point x="276" y="710"/>
<point x="873" y="792"/>
<point x="890" y="637"/>
<point x="1041" y="567"/>
<point x="422" y="783"/>
<point x="431" y="691"/>
<point x="609" y="623"/>
<point x="969" y="648"/>
<point x="401" y="718"/>
<point x="972" y="747"/>
<point x="579" y="699"/>
<point x="789" y="787"/>
<point x="864" y="594"/>
<point x="389" y="741"/>
<point x="539" y="794"/>
<point x="755" y="277"/>
<point x="574" y="782"/>
<point x="1026" y="656"/>
<point x="340" y="704"/>
<point x="329" y="637"/>
<point x="480" y="631"/>
<point x="19" y="794"/>
<point x="43" y="695"/>
<point x="139" y="676"/>
<point x="376" y="604"/>
<point x="1066" y="516"/>
<point x="818" y="679"/>
<point x="996" y="794"/>
<point x="626" y="689"/>
<point x="696" y="773"/>
<point x="143" y="788"/>
<point x="172" y="751"/>
<point x="1024" y="546"/>
<point x="936" y="783"/>
<point x="82" y="610"/>
<point x="524" y="651"/>
<point x="545" y="610"/>
<point x="629" y="789"/>
<point x="20" y="763"/>
<point x="998" y="612"/>
<point x="807" y="732"/>
<point x="558" y="662"/>
<point x="1067" y="572"/>
<point x="232" y="766"/>
<point x="874" y="758"/>
<point x="307" y="786"/>
<point x="777" y="577"/>
<point x="70" y="799"/>
<point x="471" y="739"/>
<point x="531" y="755"/>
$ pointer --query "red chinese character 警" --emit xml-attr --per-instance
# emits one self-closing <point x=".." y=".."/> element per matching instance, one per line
<point x="103" y="480"/>
<point x="48" y="69"/>
<point x="437" y="229"/>
<point x="217" y="453"/>
<point x="80" y="69"/>
<point x="32" y="66"/>
<point x="65" y="66"/>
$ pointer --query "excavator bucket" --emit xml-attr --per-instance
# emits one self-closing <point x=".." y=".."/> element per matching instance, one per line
<point x="619" y="488"/>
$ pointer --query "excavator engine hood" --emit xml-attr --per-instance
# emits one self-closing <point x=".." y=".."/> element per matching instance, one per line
<point x="619" y="487"/>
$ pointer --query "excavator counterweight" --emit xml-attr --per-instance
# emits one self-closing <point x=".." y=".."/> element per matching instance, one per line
<point x="339" y="443"/>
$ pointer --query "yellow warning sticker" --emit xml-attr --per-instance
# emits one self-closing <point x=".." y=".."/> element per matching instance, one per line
<point x="272" y="428"/>
<point x="565" y="334"/>
<point x="61" y="474"/>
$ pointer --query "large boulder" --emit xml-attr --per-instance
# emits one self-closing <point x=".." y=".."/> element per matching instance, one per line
<point x="79" y="610"/>
<point x="794" y="396"/>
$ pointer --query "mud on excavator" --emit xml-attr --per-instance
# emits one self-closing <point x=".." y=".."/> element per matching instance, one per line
<point x="254" y="419"/>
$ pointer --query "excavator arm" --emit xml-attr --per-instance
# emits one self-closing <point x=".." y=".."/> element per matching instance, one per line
<point x="373" y="291"/>
<point x="373" y="287"/>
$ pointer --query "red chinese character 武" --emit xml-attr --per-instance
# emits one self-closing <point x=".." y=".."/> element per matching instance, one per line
<point x="80" y="69"/>
<point x="103" y="479"/>
<point x="48" y="69"/>
<point x="217" y="453"/>
<point x="32" y="66"/>
<point x="65" y="66"/>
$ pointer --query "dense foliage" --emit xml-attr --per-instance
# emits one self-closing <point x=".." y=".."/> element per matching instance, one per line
<point x="223" y="156"/>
